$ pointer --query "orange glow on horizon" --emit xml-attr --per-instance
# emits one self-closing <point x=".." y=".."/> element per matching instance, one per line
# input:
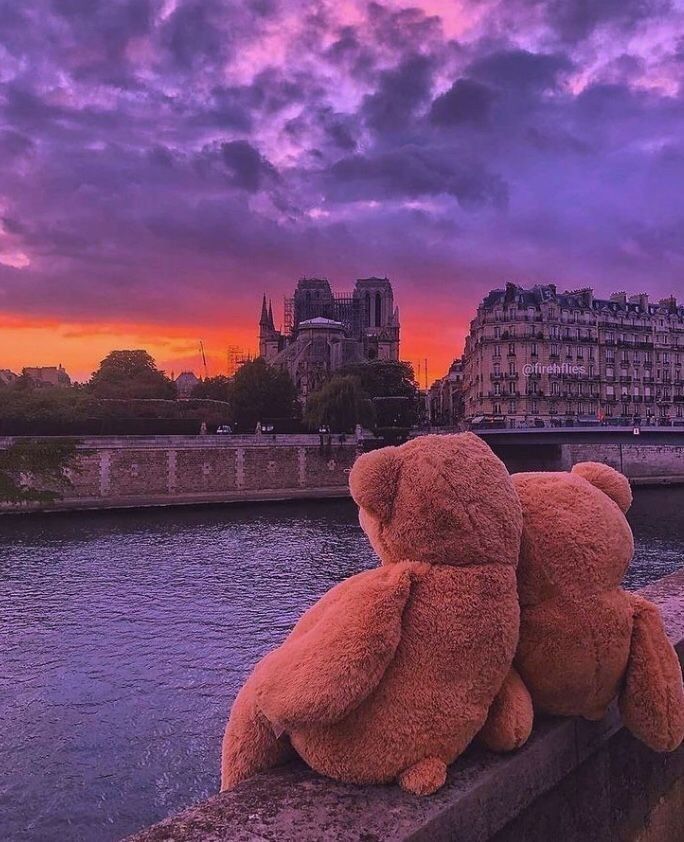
<point x="80" y="346"/>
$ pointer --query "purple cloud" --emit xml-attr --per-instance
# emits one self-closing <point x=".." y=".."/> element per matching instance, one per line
<point x="162" y="156"/>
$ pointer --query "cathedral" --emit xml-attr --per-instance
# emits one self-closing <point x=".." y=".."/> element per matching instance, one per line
<point x="323" y="332"/>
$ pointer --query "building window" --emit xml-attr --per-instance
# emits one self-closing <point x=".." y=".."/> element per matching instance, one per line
<point x="511" y="406"/>
<point x="378" y="309"/>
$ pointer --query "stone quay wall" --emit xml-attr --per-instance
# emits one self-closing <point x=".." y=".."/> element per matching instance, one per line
<point x="642" y="464"/>
<point x="138" y="471"/>
<point x="573" y="781"/>
<point x="174" y="470"/>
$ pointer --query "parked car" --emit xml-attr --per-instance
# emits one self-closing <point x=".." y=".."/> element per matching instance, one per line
<point x="224" y="430"/>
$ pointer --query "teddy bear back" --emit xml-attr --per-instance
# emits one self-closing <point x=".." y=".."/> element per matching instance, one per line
<point x="576" y="539"/>
<point x="440" y="499"/>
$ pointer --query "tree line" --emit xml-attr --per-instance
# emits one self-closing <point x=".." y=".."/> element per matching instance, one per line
<point x="128" y="386"/>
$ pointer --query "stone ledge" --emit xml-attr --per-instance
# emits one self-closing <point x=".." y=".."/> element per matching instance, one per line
<point x="191" y="442"/>
<point x="200" y="498"/>
<point x="483" y="795"/>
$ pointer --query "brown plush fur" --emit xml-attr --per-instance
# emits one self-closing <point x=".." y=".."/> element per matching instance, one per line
<point x="583" y="640"/>
<point x="393" y="672"/>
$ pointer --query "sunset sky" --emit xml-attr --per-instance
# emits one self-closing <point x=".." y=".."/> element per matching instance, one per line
<point x="165" y="162"/>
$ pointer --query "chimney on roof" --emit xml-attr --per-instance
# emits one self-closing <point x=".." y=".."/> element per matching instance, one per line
<point x="670" y="303"/>
<point x="619" y="297"/>
<point x="641" y="299"/>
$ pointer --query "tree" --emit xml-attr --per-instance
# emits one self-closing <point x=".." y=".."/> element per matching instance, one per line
<point x="391" y="386"/>
<point x="36" y="470"/>
<point x="340" y="404"/>
<point x="217" y="388"/>
<point x="262" y="391"/>
<point x="130" y="374"/>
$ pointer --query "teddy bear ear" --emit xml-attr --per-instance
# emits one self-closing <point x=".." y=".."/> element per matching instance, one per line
<point x="608" y="480"/>
<point x="373" y="481"/>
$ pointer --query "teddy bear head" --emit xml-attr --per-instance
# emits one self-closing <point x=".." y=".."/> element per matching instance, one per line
<point x="576" y="538"/>
<point x="438" y="499"/>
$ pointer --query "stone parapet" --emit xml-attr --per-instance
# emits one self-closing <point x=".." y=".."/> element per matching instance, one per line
<point x="574" y="781"/>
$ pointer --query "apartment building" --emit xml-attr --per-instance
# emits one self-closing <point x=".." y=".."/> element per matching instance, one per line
<point x="563" y="357"/>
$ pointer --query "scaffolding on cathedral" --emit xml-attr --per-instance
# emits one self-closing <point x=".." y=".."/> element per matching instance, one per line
<point x="236" y="357"/>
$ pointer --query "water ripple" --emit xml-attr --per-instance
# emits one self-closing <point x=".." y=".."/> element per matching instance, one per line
<point x="125" y="637"/>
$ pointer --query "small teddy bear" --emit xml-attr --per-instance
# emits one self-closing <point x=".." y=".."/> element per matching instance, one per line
<point x="392" y="673"/>
<point x="583" y="640"/>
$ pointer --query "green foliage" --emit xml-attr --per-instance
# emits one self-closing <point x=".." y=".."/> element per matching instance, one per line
<point x="48" y="410"/>
<point x="384" y="378"/>
<point x="217" y="388"/>
<point x="391" y="386"/>
<point x="130" y="374"/>
<point x="36" y="470"/>
<point x="261" y="391"/>
<point x="22" y="402"/>
<point x="341" y="404"/>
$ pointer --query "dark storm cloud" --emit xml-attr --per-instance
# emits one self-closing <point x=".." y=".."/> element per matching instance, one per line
<point x="249" y="169"/>
<point x="520" y="70"/>
<point x="399" y="93"/>
<point x="147" y="143"/>
<point x="577" y="19"/>
<point x="412" y="172"/>
<point x="192" y="35"/>
<point x="466" y="101"/>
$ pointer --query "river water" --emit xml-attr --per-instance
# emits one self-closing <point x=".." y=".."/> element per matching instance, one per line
<point x="124" y="637"/>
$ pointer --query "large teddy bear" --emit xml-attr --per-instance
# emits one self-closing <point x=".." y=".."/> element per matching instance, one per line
<point x="392" y="673"/>
<point x="583" y="640"/>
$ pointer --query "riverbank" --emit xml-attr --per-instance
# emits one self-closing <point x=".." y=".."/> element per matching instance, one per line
<point x="142" y="471"/>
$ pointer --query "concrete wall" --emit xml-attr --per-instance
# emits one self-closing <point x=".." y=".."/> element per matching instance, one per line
<point x="642" y="464"/>
<point x="171" y="470"/>
<point x="574" y="781"/>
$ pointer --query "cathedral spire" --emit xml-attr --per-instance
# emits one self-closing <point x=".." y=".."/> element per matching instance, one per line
<point x="263" y="321"/>
<point x="270" y="315"/>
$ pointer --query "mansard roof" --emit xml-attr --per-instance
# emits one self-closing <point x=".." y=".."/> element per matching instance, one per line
<point x="576" y="299"/>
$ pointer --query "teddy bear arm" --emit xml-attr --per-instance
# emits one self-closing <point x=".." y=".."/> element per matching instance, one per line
<point x="510" y="718"/>
<point x="323" y="674"/>
<point x="652" y="698"/>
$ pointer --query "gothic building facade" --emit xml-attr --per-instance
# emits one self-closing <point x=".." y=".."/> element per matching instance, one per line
<point x="562" y="356"/>
<point x="323" y="332"/>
